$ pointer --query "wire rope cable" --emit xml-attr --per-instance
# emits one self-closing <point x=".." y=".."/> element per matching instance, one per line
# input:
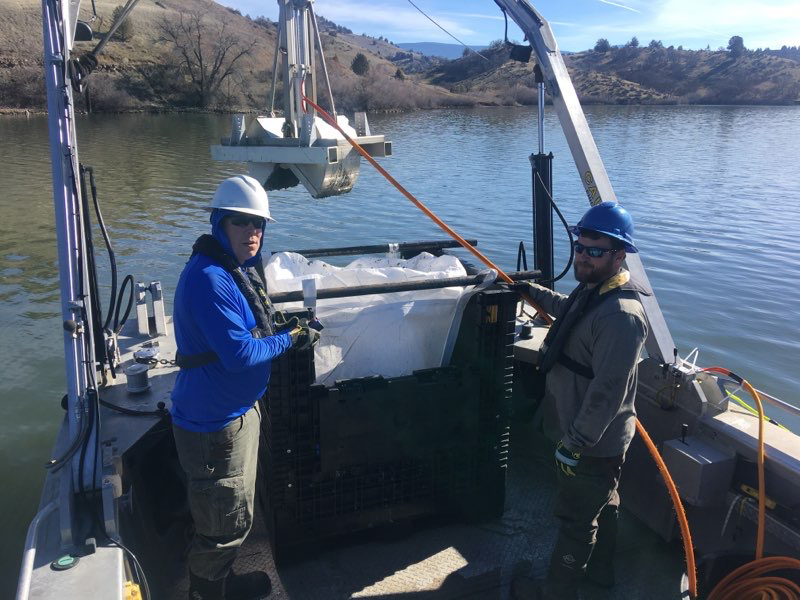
<point x="447" y="32"/>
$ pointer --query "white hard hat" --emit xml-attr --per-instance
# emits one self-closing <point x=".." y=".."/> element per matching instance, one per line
<point x="242" y="193"/>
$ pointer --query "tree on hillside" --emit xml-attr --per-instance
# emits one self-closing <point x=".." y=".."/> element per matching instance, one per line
<point x="399" y="74"/>
<point x="125" y="31"/>
<point x="360" y="64"/>
<point x="736" y="46"/>
<point x="602" y="46"/>
<point x="655" y="44"/>
<point x="207" y="54"/>
<point x="634" y="43"/>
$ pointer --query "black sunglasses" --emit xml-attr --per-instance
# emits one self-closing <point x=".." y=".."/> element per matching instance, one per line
<point x="592" y="251"/>
<point x="244" y="221"/>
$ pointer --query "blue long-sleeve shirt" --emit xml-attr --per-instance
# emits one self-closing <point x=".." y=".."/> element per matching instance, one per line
<point x="212" y="314"/>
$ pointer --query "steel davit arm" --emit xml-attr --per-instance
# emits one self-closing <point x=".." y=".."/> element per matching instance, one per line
<point x="584" y="151"/>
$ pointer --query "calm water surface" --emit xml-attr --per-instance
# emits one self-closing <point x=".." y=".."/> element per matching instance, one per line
<point x="715" y="192"/>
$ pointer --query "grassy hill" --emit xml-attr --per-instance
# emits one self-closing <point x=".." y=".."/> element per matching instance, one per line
<point x="143" y="71"/>
<point x="635" y="76"/>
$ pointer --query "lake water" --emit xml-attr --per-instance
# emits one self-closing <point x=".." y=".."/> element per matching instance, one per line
<point x="714" y="191"/>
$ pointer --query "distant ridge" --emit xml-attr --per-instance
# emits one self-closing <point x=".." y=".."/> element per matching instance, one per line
<point x="449" y="51"/>
<point x="144" y="73"/>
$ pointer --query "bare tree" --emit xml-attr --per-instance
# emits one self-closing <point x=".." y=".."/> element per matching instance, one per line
<point x="208" y="55"/>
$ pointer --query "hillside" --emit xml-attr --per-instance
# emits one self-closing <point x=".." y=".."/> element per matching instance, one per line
<point x="144" y="70"/>
<point x="635" y="76"/>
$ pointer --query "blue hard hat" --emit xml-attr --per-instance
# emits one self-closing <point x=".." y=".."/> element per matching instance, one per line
<point x="608" y="218"/>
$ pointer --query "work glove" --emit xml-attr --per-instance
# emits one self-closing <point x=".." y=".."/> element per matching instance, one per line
<point x="566" y="460"/>
<point x="303" y="336"/>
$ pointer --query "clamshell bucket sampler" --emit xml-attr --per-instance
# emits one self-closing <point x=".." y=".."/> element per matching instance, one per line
<point x="300" y="147"/>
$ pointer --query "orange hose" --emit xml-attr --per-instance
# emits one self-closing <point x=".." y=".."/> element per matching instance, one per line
<point x="683" y="522"/>
<point x="744" y="582"/>
<point x="446" y="228"/>
<point x="747" y="582"/>
<point x="762" y="499"/>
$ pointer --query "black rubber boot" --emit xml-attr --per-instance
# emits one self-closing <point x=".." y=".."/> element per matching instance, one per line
<point x="205" y="589"/>
<point x="247" y="586"/>
<point x="527" y="580"/>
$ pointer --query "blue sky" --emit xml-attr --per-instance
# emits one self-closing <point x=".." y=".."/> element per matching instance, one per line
<point x="577" y="24"/>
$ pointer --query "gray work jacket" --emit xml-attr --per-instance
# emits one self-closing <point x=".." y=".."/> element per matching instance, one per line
<point x="596" y="416"/>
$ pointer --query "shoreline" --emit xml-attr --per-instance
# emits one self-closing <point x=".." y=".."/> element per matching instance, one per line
<point x="31" y="112"/>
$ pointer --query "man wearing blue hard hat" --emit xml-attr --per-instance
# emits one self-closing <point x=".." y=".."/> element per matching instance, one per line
<point x="590" y="358"/>
<point x="226" y="342"/>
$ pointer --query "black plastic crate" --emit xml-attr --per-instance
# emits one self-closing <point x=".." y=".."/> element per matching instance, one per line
<point x="371" y="451"/>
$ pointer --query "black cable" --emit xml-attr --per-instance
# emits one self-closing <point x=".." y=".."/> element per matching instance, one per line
<point x="117" y="323"/>
<point x="84" y="446"/>
<point x="161" y="412"/>
<point x="58" y="463"/>
<point x="111" y="256"/>
<point x="137" y="567"/>
<point x="94" y="286"/>
<point x="566" y="227"/>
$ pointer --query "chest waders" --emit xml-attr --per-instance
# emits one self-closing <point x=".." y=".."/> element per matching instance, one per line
<point x="251" y="283"/>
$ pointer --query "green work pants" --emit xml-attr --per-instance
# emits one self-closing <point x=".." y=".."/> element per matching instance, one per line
<point x="587" y="506"/>
<point x="220" y="469"/>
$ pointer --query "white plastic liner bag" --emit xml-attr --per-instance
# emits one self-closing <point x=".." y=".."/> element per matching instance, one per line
<point x="389" y="334"/>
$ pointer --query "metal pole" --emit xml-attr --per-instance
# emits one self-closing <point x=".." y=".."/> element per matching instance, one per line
<point x="592" y="172"/>
<point x="275" y="62"/>
<point x="391" y="288"/>
<point x="537" y="72"/>
<point x="542" y="172"/>
<point x="322" y="59"/>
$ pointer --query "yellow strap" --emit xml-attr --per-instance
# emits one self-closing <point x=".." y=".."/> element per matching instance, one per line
<point x="131" y="591"/>
<point x="616" y="281"/>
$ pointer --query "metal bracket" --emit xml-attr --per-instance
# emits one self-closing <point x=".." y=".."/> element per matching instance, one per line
<point x="150" y="325"/>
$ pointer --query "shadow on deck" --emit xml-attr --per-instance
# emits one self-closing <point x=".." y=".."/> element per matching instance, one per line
<point x="441" y="560"/>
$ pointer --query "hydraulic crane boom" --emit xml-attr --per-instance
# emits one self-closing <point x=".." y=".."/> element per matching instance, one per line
<point x="584" y="151"/>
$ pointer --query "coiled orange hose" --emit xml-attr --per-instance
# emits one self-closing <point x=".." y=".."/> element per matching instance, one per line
<point x="748" y="581"/>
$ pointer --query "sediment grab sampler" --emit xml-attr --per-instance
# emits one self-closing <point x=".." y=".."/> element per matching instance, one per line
<point x="300" y="147"/>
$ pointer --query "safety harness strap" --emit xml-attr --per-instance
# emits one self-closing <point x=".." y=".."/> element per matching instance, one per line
<point x="575" y="366"/>
<point x="579" y="302"/>
<point x="251" y="283"/>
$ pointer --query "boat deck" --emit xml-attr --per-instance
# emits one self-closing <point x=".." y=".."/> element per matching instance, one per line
<point x="458" y="560"/>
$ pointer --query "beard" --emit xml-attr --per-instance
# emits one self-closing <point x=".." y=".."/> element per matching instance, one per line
<point x="591" y="273"/>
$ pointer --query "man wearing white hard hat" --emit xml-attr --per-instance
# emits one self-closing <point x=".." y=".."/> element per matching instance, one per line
<point x="226" y="342"/>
